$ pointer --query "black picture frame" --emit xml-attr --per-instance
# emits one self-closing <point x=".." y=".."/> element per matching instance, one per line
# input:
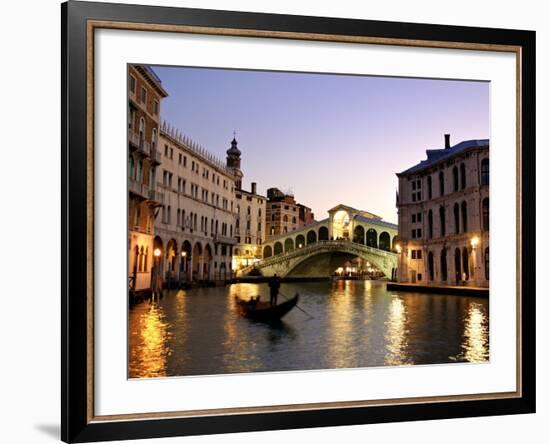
<point x="76" y="423"/>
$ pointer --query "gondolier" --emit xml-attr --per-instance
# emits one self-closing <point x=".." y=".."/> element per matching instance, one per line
<point x="274" y="285"/>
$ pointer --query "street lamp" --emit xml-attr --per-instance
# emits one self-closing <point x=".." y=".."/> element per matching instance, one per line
<point x="157" y="252"/>
<point x="398" y="248"/>
<point x="474" y="242"/>
<point x="299" y="245"/>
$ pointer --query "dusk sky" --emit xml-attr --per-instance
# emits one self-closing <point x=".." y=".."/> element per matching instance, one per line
<point x="329" y="138"/>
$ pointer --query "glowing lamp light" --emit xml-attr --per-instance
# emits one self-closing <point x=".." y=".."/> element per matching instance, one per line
<point x="157" y="252"/>
<point x="398" y="248"/>
<point x="474" y="242"/>
<point x="183" y="253"/>
<point x="300" y="246"/>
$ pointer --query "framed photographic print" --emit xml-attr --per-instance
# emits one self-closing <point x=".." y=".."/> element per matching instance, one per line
<point x="275" y="221"/>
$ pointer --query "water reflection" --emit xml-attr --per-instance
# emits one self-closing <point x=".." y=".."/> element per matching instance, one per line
<point x="396" y="333"/>
<point x="476" y="335"/>
<point x="353" y="324"/>
<point x="149" y="349"/>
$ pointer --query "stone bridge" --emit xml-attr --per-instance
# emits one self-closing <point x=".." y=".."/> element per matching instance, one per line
<point x="321" y="258"/>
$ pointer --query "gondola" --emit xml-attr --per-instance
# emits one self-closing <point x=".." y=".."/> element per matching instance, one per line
<point x="263" y="311"/>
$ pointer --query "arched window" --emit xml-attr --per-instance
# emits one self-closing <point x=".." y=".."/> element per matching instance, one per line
<point x="465" y="263"/>
<point x="458" y="270"/>
<point x="146" y="259"/>
<point x="464" y="211"/>
<point x="441" y="183"/>
<point x="248" y="210"/>
<point x="462" y="176"/>
<point x="139" y="172"/>
<point x="131" y="167"/>
<point x="372" y="238"/>
<point x="429" y="187"/>
<point x="443" y="263"/>
<point x="293" y="219"/>
<point x="485" y="214"/>
<point x="384" y="241"/>
<point x="289" y="245"/>
<point x="455" y="178"/>
<point x="359" y="235"/>
<point x="442" y="230"/>
<point x="141" y="259"/>
<point x="486" y="261"/>
<point x="154" y="140"/>
<point x="141" y="132"/>
<point x="430" y="224"/>
<point x="285" y="218"/>
<point x="456" y="213"/>
<point x="431" y="266"/>
<point x="485" y="172"/>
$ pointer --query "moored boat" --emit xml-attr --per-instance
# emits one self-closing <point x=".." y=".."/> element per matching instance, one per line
<point x="263" y="311"/>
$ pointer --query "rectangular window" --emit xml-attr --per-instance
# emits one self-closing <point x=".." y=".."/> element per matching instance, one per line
<point x="156" y="107"/>
<point x="419" y="254"/>
<point x="414" y="218"/>
<point x="143" y="97"/>
<point x="414" y="185"/>
<point x="184" y="161"/>
<point x="133" y="84"/>
<point x="413" y="254"/>
<point x="413" y="234"/>
<point x="419" y="217"/>
<point x="414" y="197"/>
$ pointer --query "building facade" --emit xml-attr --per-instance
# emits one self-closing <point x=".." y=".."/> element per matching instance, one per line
<point x="250" y="227"/>
<point x="145" y="94"/>
<point x="284" y="214"/>
<point x="195" y="224"/>
<point x="443" y="217"/>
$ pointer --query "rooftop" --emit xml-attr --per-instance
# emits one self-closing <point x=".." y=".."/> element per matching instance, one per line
<point x="434" y="156"/>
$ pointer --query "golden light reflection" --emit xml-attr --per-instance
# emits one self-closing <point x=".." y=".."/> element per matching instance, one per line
<point x="239" y="353"/>
<point x="396" y="334"/>
<point x="151" y="351"/>
<point x="475" y="344"/>
<point x="340" y="318"/>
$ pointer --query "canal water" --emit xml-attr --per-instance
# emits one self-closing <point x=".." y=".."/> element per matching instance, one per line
<point x="351" y="324"/>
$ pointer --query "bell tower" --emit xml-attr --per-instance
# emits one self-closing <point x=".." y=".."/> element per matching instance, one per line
<point x="234" y="162"/>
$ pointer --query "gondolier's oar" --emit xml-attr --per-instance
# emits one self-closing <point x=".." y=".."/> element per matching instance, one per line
<point x="297" y="306"/>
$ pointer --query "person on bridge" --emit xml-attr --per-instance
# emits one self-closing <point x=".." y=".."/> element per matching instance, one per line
<point x="274" y="285"/>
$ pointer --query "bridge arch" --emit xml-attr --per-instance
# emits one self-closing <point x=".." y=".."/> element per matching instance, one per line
<point x="268" y="251"/>
<point x="323" y="233"/>
<point x="384" y="241"/>
<point x="372" y="238"/>
<point x="289" y="244"/>
<point x="359" y="234"/>
<point x="300" y="241"/>
<point x="311" y="237"/>
<point x="277" y="248"/>
<point x="326" y="260"/>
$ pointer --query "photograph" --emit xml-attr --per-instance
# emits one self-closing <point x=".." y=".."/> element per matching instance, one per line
<point x="298" y="221"/>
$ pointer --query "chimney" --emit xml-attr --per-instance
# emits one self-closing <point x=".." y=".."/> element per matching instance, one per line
<point x="447" y="141"/>
<point x="253" y="187"/>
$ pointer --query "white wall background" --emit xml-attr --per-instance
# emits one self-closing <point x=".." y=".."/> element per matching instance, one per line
<point x="30" y="194"/>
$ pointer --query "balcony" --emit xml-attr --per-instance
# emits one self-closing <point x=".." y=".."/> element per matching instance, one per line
<point x="138" y="188"/>
<point x="155" y="156"/>
<point x="156" y="196"/>
<point x="133" y="138"/>
<point x="218" y="238"/>
<point x="139" y="143"/>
